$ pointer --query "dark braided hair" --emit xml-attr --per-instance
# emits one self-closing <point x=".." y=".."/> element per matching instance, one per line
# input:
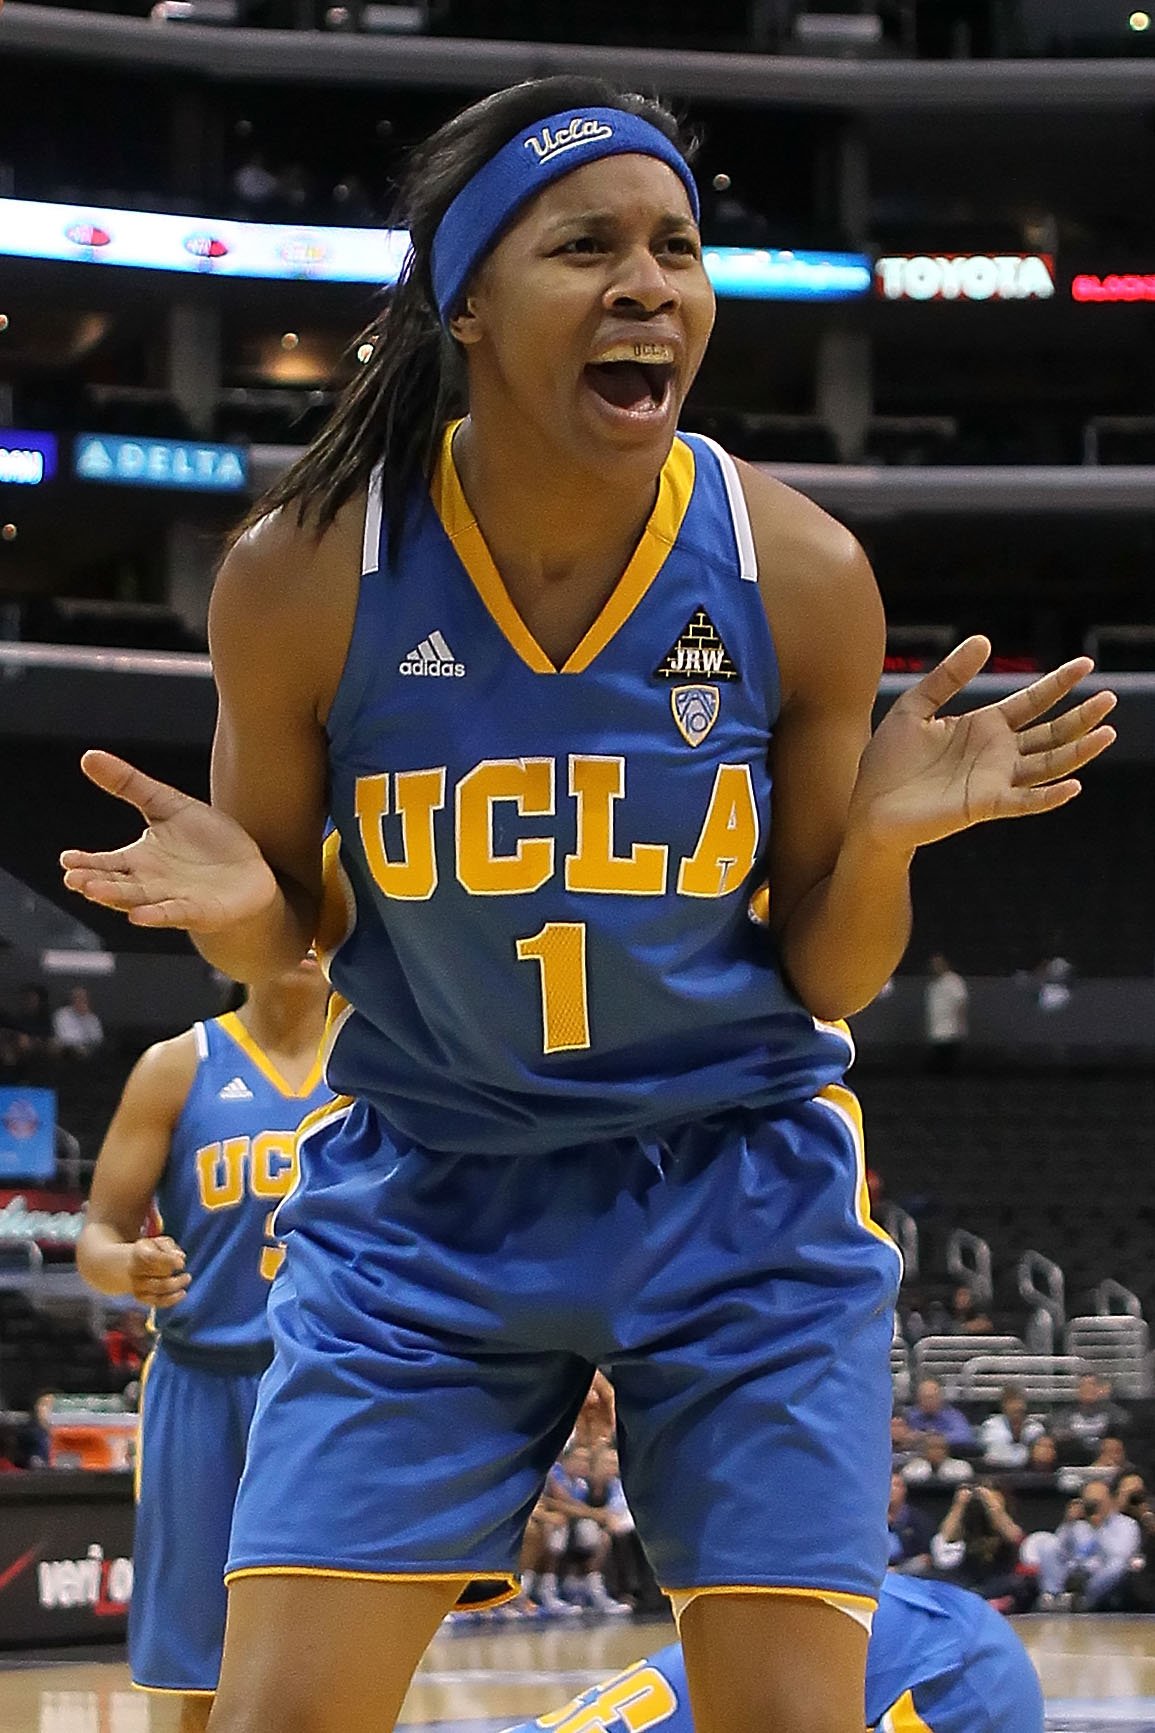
<point x="414" y="380"/>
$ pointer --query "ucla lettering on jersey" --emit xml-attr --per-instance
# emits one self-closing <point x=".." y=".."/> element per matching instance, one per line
<point x="537" y="897"/>
<point x="233" y="1158"/>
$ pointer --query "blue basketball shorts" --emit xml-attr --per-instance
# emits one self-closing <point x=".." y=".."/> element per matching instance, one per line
<point x="437" y="1320"/>
<point x="193" y="1428"/>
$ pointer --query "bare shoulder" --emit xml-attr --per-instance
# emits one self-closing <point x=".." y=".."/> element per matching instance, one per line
<point x="300" y="586"/>
<point x="817" y="584"/>
<point x="163" y="1075"/>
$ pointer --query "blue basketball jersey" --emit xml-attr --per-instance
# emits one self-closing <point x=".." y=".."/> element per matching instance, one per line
<point x="537" y="894"/>
<point x="940" y="1661"/>
<point x="233" y="1158"/>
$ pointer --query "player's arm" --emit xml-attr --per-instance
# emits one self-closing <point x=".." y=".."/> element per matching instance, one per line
<point x="243" y="876"/>
<point x="839" y="897"/>
<point x="850" y="807"/>
<point x="279" y="625"/>
<point x="113" y="1254"/>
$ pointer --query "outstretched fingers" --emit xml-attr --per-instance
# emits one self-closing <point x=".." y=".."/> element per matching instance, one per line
<point x="1071" y="725"/>
<point x="155" y="801"/>
<point x="1033" y="701"/>
<point x="946" y="681"/>
<point x="1037" y="768"/>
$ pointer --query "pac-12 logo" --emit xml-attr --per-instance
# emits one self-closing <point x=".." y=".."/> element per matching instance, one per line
<point x="545" y="144"/>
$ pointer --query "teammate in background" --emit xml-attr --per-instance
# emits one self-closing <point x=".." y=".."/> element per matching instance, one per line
<point x="940" y="1661"/>
<point x="205" y="1127"/>
<point x="541" y="668"/>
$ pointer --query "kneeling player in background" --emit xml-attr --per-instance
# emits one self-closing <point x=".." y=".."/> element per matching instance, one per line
<point x="940" y="1661"/>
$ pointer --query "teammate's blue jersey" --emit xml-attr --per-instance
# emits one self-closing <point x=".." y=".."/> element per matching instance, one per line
<point x="538" y="897"/>
<point x="940" y="1661"/>
<point x="232" y="1159"/>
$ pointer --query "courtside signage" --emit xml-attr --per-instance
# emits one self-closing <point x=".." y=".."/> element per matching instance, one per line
<point x="159" y="241"/>
<point x="193" y="466"/>
<point x="966" y="277"/>
<point x="26" y="459"/>
<point x="1118" y="287"/>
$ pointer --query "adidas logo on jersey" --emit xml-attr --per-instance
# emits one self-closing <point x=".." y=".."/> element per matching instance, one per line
<point x="236" y="1090"/>
<point x="433" y="657"/>
<point x="697" y="651"/>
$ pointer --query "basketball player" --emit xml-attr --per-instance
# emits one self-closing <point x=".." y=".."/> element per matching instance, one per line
<point x="542" y="666"/>
<point x="940" y="1661"/>
<point x="206" y="1127"/>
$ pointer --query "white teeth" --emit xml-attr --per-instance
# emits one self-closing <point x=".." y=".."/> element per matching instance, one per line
<point x="649" y="354"/>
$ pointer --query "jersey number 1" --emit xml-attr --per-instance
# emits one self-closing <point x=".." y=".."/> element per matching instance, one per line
<point x="559" y="950"/>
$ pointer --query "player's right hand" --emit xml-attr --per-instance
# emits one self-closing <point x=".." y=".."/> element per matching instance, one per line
<point x="193" y="867"/>
<point x="157" y="1276"/>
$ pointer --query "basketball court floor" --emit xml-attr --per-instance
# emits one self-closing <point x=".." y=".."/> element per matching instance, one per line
<point x="1098" y="1674"/>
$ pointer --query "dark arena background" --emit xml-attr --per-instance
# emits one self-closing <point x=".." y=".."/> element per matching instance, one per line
<point x="931" y="229"/>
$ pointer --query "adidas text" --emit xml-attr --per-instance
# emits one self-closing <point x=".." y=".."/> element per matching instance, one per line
<point x="545" y="144"/>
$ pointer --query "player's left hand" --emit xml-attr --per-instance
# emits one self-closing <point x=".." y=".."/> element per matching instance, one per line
<point x="924" y="776"/>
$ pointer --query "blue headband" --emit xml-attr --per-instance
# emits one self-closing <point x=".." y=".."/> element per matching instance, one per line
<point x="538" y="155"/>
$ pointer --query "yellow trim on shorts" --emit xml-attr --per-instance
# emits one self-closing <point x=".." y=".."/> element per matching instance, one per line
<point x="849" y="1109"/>
<point x="904" y="1718"/>
<point x="861" y="1603"/>
<point x="464" y="1577"/>
<point x="169" y="1690"/>
<point x="138" y="1465"/>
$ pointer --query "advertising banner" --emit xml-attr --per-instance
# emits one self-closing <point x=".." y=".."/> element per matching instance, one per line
<point x="65" y="1558"/>
<point x="26" y="459"/>
<point x="191" y="465"/>
<point x="966" y="277"/>
<point x="27" y="1134"/>
<point x="51" y="1220"/>
<point x="1115" y="287"/>
<point x="160" y="241"/>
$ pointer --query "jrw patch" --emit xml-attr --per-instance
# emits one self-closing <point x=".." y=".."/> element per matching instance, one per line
<point x="697" y="653"/>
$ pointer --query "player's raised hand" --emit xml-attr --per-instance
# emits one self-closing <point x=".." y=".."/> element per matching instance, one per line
<point x="193" y="866"/>
<point x="157" y="1276"/>
<point x="925" y="776"/>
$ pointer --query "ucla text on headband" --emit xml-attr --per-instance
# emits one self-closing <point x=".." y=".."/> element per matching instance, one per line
<point x="541" y="153"/>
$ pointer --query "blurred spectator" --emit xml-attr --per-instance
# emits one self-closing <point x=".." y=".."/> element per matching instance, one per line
<point x="1054" y="977"/>
<point x="967" y="1318"/>
<point x="36" y="1435"/>
<point x="76" y="1027"/>
<point x="945" y="1004"/>
<point x="585" y="1547"/>
<point x="542" y="1546"/>
<point x="26" y="1032"/>
<point x="935" y="1465"/>
<point x="1090" y="1553"/>
<point x="1093" y="1416"/>
<point x="932" y="1413"/>
<point x="909" y="1530"/>
<point x="254" y="183"/>
<point x="607" y="1500"/>
<point x="1137" y="1590"/>
<point x="903" y="1442"/>
<point x="978" y="1547"/>
<point x="596" y="1420"/>
<point x="1005" y="1438"/>
<point x="1110" y="1462"/>
<point x="1043" y="1455"/>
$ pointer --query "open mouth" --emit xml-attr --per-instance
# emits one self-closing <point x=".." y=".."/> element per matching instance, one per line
<point x="635" y="378"/>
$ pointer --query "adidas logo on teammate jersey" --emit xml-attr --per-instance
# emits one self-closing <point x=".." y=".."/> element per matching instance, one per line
<point x="236" y="1090"/>
<point x="433" y="656"/>
<point x="697" y="651"/>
